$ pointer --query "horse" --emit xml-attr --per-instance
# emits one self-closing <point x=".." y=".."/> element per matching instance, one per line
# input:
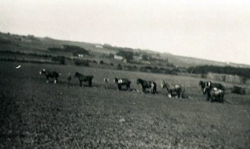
<point x="214" y="91"/>
<point x="203" y="84"/>
<point x="147" y="85"/>
<point x="122" y="82"/>
<point x="210" y="84"/>
<point x="215" y="94"/>
<point x="84" y="78"/>
<point x="174" y="90"/>
<point x="53" y="74"/>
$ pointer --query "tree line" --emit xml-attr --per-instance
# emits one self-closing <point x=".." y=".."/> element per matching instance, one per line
<point x="243" y="72"/>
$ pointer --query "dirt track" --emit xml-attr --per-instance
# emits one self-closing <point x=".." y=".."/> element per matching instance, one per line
<point x="36" y="114"/>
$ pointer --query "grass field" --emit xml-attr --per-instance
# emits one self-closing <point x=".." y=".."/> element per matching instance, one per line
<point x="36" y="114"/>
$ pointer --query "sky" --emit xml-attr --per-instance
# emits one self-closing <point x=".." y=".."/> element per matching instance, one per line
<point x="210" y="29"/>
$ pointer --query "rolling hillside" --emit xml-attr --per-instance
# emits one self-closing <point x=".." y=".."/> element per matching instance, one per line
<point x="31" y="44"/>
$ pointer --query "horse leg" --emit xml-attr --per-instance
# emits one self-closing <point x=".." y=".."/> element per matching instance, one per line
<point x="119" y="86"/>
<point x="143" y="89"/>
<point x="179" y="94"/>
<point x="128" y="86"/>
<point x="90" y="83"/>
<point x="222" y="98"/>
<point x="55" y="81"/>
<point x="208" y="97"/>
<point x="80" y="83"/>
<point x="154" y="90"/>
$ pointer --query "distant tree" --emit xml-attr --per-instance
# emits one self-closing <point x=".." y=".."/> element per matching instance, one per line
<point x="82" y="63"/>
<point x="54" y="49"/>
<point x="75" y="50"/>
<point x="101" y="62"/>
<point x="128" y="55"/>
<point x="119" y="67"/>
<point x="243" y="72"/>
<point x="145" y="57"/>
<point x="59" y="59"/>
<point x="111" y="55"/>
<point x="94" y="61"/>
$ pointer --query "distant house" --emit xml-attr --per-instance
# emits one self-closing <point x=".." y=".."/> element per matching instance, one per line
<point x="98" y="46"/>
<point x="124" y="60"/>
<point x="137" y="58"/>
<point x="117" y="57"/>
<point x="80" y="55"/>
<point x="145" y="62"/>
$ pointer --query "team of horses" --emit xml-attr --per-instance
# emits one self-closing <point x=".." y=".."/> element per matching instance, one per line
<point x="213" y="91"/>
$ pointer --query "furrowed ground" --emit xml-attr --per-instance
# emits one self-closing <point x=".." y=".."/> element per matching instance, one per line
<point x="36" y="114"/>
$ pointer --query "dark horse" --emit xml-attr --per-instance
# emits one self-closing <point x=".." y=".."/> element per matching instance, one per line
<point x="214" y="91"/>
<point x="122" y="82"/>
<point x="174" y="90"/>
<point x="83" y="78"/>
<point x="53" y="74"/>
<point x="210" y="84"/>
<point x="147" y="85"/>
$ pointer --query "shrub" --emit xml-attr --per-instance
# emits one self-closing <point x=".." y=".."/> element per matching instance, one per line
<point x="101" y="62"/>
<point x="131" y="68"/>
<point x="94" y="61"/>
<point x="82" y="63"/>
<point x="59" y="59"/>
<point x="119" y="67"/>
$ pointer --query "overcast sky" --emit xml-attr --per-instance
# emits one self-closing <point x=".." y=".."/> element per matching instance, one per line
<point x="212" y="29"/>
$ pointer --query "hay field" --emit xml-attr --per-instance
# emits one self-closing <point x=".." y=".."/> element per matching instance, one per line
<point x="36" y="114"/>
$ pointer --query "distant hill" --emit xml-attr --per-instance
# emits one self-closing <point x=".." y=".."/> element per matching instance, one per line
<point x="190" y="61"/>
<point x="30" y="43"/>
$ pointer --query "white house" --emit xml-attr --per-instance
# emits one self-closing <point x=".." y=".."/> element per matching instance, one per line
<point x="80" y="55"/>
<point x="117" y="57"/>
<point x="137" y="58"/>
<point x="98" y="46"/>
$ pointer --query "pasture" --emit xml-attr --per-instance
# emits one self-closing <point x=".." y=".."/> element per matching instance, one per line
<point x="36" y="114"/>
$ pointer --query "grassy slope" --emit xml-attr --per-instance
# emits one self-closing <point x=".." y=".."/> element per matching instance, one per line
<point x="36" y="114"/>
<point x="40" y="45"/>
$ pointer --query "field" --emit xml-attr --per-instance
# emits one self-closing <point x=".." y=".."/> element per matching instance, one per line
<point x="36" y="114"/>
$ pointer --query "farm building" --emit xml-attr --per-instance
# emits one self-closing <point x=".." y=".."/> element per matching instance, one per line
<point x="137" y="58"/>
<point x="98" y="46"/>
<point x="80" y="55"/>
<point x="117" y="57"/>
